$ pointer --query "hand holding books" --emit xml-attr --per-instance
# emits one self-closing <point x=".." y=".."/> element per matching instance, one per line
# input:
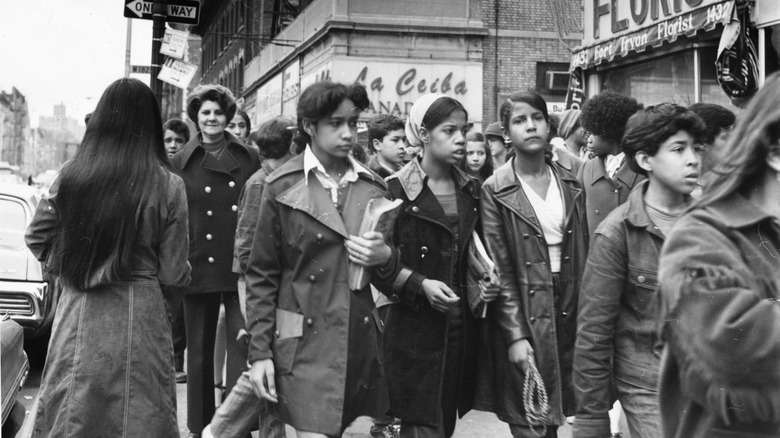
<point x="482" y="277"/>
<point x="368" y="248"/>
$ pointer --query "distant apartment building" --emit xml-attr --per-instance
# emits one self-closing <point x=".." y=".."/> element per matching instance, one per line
<point x="56" y="139"/>
<point x="14" y="127"/>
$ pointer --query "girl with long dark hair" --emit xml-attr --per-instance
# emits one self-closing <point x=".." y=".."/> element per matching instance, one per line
<point x="114" y="229"/>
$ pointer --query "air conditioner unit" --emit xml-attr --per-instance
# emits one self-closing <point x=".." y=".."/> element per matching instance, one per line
<point x="557" y="80"/>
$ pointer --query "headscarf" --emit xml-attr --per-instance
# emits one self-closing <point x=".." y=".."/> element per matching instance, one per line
<point x="416" y="115"/>
<point x="569" y="119"/>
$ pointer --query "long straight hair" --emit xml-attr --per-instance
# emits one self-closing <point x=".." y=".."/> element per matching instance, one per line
<point x="742" y="162"/>
<point x="102" y="190"/>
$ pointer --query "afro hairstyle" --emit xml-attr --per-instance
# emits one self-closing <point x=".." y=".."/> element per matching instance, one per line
<point x="606" y="114"/>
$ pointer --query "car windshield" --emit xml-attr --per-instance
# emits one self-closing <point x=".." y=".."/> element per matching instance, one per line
<point x="13" y="221"/>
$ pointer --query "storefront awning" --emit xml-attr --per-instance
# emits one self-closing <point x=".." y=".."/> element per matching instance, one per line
<point x="704" y="18"/>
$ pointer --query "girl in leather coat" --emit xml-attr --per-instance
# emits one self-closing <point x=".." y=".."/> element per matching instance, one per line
<point x="536" y="231"/>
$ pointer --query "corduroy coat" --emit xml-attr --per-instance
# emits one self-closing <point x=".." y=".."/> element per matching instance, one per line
<point x="524" y="307"/>
<point x="720" y="323"/>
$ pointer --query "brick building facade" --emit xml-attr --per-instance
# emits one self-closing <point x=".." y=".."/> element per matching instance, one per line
<point x="526" y="39"/>
<point x="266" y="51"/>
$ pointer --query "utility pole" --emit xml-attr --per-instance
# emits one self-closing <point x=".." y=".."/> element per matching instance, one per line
<point x="128" y="46"/>
<point x="159" y="15"/>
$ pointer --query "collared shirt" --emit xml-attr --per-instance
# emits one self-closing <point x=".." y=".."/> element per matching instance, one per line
<point x="312" y="164"/>
<point x="612" y="163"/>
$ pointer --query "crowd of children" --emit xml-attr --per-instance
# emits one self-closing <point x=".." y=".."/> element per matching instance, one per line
<point x="634" y="253"/>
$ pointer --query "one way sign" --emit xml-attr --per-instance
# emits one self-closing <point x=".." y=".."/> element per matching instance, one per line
<point x="179" y="11"/>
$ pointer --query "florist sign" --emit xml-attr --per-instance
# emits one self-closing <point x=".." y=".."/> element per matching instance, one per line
<point x="688" y="23"/>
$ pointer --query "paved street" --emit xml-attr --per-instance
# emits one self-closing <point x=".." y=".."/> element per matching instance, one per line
<point x="474" y="425"/>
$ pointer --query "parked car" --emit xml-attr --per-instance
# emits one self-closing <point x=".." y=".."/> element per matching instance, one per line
<point x="27" y="294"/>
<point x="14" y="370"/>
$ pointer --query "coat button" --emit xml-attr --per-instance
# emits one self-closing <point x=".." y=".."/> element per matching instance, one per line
<point x="209" y="237"/>
<point x="616" y="190"/>
<point x="209" y="213"/>
<point x="539" y="236"/>
<point x="641" y="279"/>
<point x="309" y="322"/>
<point x="532" y="319"/>
<point x="366" y="320"/>
<point x="568" y="231"/>
<point x="232" y="184"/>
<point x="526" y="235"/>
<point x="234" y="208"/>
<point x="531" y="292"/>
<point x="527" y="264"/>
<point x="415" y="209"/>
<point x="312" y="278"/>
<point x="208" y="189"/>
<point x="566" y="259"/>
<point x="276" y="333"/>
<point x="424" y="250"/>
<point x="564" y="314"/>
<point x="319" y="236"/>
<point x="596" y="211"/>
<point x="211" y="259"/>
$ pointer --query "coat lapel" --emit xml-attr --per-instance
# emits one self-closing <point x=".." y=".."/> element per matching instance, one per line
<point x="226" y="164"/>
<point x="626" y="175"/>
<point x="509" y="194"/>
<point x="597" y="171"/>
<point x="315" y="201"/>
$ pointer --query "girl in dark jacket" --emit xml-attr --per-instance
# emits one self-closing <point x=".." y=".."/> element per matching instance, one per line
<point x="535" y="229"/>
<point x="720" y="286"/>
<point x="431" y="334"/>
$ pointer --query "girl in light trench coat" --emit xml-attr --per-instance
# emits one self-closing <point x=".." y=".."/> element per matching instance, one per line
<point x="314" y="342"/>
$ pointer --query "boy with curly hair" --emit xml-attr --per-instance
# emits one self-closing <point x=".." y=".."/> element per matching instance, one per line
<point x="606" y="179"/>
<point x="617" y="320"/>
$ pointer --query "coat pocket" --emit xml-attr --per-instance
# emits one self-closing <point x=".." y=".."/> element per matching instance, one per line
<point x="645" y="284"/>
<point x="289" y="330"/>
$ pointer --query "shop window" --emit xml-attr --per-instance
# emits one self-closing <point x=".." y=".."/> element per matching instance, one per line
<point x="666" y="79"/>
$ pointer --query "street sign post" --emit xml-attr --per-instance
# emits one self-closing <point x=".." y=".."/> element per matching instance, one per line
<point x="178" y="11"/>
<point x="143" y="69"/>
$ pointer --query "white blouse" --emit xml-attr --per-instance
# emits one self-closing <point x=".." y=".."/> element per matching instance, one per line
<point x="549" y="211"/>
